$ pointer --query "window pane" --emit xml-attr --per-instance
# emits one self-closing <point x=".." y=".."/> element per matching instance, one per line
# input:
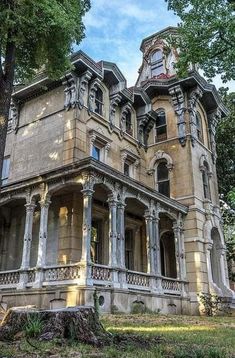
<point x="161" y="119"/>
<point x="161" y="133"/>
<point x="156" y="56"/>
<point x="5" y="169"/>
<point x="95" y="152"/>
<point x="128" y="123"/>
<point x="164" y="188"/>
<point x="157" y="70"/>
<point x="99" y="101"/>
<point x="127" y="169"/>
<point x="162" y="171"/>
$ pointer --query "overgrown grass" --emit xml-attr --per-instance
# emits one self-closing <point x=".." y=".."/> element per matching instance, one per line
<point x="180" y="337"/>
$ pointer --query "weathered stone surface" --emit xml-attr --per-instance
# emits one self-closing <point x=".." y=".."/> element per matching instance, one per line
<point x="79" y="323"/>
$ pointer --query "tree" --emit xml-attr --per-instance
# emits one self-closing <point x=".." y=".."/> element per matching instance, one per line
<point x="225" y="138"/>
<point x="207" y="36"/>
<point x="35" y="34"/>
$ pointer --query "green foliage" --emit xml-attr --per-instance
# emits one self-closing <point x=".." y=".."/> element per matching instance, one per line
<point x="207" y="36"/>
<point x="213" y="304"/>
<point x="34" y="326"/>
<point x="41" y="32"/>
<point x="225" y="139"/>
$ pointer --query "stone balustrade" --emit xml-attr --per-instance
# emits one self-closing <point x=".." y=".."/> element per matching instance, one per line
<point x="100" y="274"/>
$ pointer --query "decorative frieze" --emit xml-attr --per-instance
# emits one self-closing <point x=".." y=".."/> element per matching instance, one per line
<point x="177" y="95"/>
<point x="75" y="90"/>
<point x="92" y="95"/>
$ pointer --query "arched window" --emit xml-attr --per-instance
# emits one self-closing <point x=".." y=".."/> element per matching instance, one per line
<point x="205" y="180"/>
<point x="199" y="127"/>
<point x="163" y="181"/>
<point x="99" y="101"/>
<point x="157" y="63"/>
<point x="161" y="126"/>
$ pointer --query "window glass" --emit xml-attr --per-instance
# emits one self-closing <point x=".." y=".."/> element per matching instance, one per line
<point x="96" y="152"/>
<point x="156" y="56"/>
<point x="99" y="101"/>
<point x="95" y="241"/>
<point x="163" y="179"/>
<point x="126" y="169"/>
<point x="5" y="170"/>
<point x="156" y="71"/>
<point x="161" y="127"/>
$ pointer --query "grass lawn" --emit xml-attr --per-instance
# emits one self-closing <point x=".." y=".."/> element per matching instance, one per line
<point x="146" y="336"/>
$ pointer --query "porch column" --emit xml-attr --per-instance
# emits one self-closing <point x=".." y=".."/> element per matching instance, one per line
<point x="86" y="267"/>
<point x="113" y="253"/>
<point x="121" y="234"/>
<point x="25" y="261"/>
<point x="179" y="251"/>
<point x="41" y="259"/>
<point x="121" y="243"/>
<point x="112" y="230"/>
<point x="87" y="223"/>
<point x="27" y="235"/>
<point x="150" y="242"/>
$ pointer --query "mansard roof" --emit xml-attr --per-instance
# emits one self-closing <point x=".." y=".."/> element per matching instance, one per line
<point x="167" y="31"/>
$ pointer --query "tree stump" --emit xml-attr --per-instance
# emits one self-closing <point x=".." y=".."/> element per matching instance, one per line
<point x="78" y="323"/>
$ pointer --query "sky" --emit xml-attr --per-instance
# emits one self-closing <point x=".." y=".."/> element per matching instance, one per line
<point x="115" y="29"/>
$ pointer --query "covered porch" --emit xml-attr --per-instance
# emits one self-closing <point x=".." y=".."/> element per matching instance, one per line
<point x="92" y="231"/>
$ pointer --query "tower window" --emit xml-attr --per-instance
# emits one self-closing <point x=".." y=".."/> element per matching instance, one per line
<point x="161" y="126"/>
<point x="163" y="178"/>
<point x="157" y="63"/>
<point x="99" y="101"/>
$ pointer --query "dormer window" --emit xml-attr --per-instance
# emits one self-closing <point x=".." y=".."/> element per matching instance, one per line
<point x="157" y="63"/>
<point x="99" y="101"/>
<point x="161" y="126"/>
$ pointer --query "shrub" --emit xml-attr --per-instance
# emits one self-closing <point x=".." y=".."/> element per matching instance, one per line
<point x="213" y="304"/>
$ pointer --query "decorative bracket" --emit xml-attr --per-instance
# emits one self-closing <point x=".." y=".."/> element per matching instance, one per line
<point x="179" y="107"/>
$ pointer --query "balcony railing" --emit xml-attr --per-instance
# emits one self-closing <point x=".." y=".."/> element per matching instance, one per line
<point x="137" y="279"/>
<point x="9" y="278"/>
<point x="99" y="275"/>
<point x="60" y="274"/>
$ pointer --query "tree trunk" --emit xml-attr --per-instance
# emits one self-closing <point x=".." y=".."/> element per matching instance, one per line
<point x="78" y="323"/>
<point x="5" y="100"/>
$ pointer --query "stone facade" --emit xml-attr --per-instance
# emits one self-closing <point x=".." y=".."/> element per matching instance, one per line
<point x="113" y="189"/>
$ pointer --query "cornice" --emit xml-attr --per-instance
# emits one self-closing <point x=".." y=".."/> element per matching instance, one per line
<point x="104" y="169"/>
